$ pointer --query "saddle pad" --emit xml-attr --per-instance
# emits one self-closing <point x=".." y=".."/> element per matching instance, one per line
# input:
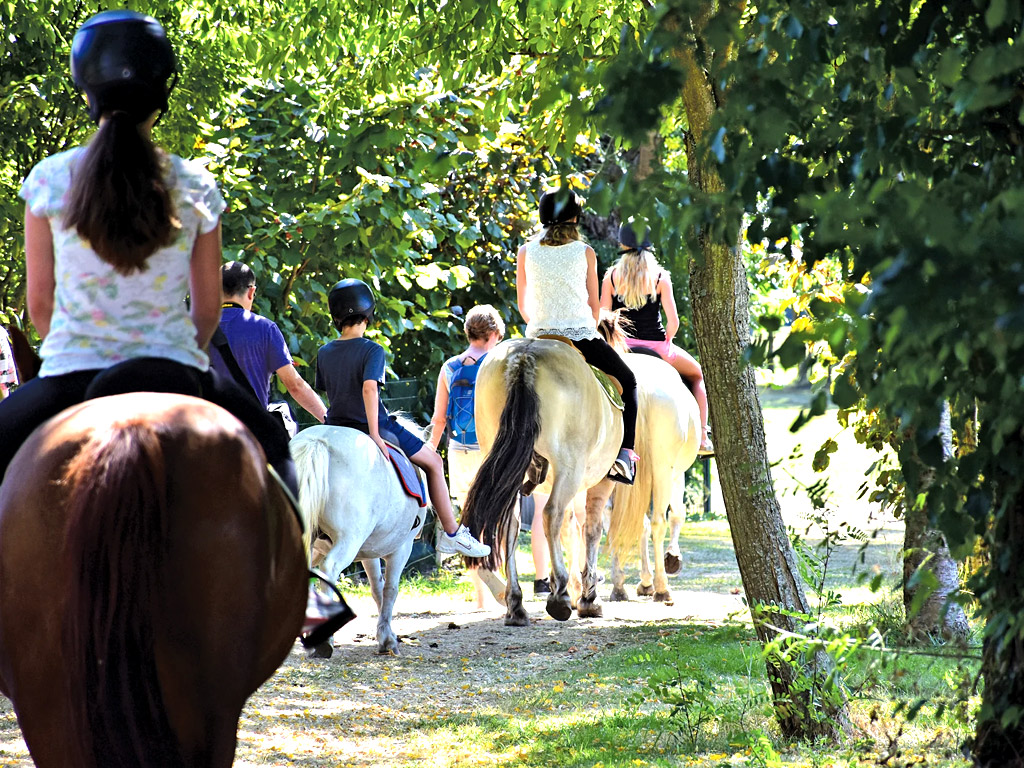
<point x="609" y="384"/>
<point x="407" y="474"/>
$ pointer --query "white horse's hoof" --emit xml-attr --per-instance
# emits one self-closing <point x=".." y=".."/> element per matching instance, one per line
<point x="672" y="563"/>
<point x="589" y="610"/>
<point x="645" y="590"/>
<point x="663" y="597"/>
<point x="618" y="595"/>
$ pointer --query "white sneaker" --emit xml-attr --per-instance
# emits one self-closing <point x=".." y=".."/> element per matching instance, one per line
<point x="462" y="543"/>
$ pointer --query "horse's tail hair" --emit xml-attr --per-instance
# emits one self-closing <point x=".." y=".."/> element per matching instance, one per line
<point x="115" y="541"/>
<point x="312" y="464"/>
<point x="629" y="510"/>
<point x="489" y="508"/>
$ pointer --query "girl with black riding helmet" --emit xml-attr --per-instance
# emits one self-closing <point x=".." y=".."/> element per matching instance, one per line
<point x="117" y="232"/>
<point x="641" y="290"/>
<point x="557" y="294"/>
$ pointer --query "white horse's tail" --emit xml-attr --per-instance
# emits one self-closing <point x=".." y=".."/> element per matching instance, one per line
<point x="629" y="509"/>
<point x="312" y="462"/>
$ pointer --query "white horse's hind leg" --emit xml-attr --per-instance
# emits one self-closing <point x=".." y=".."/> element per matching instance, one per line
<point x="563" y="488"/>
<point x="573" y="542"/>
<point x="515" y="614"/>
<point x="676" y="518"/>
<point x="618" y="594"/>
<point x="387" y="642"/>
<point x="662" y="492"/>
<point x="590" y="604"/>
<point x="646" y="585"/>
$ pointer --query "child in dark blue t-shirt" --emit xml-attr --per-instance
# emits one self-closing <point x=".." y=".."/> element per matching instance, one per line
<point x="351" y="371"/>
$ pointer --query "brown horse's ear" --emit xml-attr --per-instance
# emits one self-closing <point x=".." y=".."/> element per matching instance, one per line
<point x="25" y="358"/>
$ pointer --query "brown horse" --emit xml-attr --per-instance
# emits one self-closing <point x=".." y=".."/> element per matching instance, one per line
<point x="142" y="597"/>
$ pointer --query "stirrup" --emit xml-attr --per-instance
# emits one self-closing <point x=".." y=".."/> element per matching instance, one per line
<point x="342" y="614"/>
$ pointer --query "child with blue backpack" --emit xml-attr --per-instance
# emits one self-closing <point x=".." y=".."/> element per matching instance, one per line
<point x="454" y="403"/>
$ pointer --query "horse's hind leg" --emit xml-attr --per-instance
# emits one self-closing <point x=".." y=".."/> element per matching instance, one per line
<point x="515" y="614"/>
<point x="567" y="481"/>
<point x="676" y="518"/>
<point x="386" y="594"/>
<point x="590" y="604"/>
<point x="618" y="594"/>
<point x="646" y="586"/>
<point x="662" y="491"/>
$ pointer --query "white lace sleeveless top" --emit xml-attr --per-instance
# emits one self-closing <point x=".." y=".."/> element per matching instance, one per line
<point x="556" y="291"/>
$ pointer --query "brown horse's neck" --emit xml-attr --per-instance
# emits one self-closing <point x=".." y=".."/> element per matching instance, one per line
<point x="25" y="358"/>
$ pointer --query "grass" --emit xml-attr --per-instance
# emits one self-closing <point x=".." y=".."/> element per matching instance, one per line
<point x="909" y="707"/>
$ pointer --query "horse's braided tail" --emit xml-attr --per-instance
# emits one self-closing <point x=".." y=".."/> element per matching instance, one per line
<point x="489" y="509"/>
<point x="312" y="464"/>
<point x="116" y="538"/>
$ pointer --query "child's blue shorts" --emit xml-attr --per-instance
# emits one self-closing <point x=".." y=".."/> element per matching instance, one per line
<point x="407" y="441"/>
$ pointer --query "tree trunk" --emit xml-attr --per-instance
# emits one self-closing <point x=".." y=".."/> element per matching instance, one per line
<point x="999" y="737"/>
<point x="925" y="548"/>
<point x="720" y="298"/>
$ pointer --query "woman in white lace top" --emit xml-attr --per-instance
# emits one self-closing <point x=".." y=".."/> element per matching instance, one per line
<point x="557" y="293"/>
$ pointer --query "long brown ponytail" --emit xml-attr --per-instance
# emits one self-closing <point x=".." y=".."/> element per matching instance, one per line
<point x="119" y="201"/>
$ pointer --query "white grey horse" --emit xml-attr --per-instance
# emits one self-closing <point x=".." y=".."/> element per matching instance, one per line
<point x="350" y="492"/>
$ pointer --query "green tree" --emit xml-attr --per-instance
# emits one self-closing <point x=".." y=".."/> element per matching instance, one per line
<point x="889" y="136"/>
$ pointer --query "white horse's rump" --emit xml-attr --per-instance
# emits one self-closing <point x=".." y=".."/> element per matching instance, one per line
<point x="349" y="490"/>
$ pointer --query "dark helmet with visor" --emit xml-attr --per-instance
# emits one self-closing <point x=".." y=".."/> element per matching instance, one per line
<point x="628" y="238"/>
<point x="122" y="60"/>
<point x="559" y="207"/>
<point x="350" y="298"/>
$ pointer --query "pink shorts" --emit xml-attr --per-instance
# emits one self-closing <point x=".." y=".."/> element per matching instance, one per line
<point x="666" y="349"/>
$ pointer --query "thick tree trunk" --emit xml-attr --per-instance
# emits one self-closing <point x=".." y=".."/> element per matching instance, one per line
<point x="999" y="742"/>
<point x="925" y="548"/>
<point x="720" y="298"/>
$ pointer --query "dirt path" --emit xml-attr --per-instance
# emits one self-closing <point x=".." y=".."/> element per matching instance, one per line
<point x="361" y="709"/>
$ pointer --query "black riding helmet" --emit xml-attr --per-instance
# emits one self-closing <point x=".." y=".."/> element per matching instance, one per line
<point x="628" y="239"/>
<point x="350" y="297"/>
<point x="122" y="60"/>
<point x="559" y="207"/>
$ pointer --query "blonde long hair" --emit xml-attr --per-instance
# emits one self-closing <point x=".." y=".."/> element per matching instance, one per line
<point x="635" y="277"/>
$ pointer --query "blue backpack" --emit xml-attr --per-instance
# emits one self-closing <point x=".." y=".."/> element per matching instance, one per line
<point x="461" y="400"/>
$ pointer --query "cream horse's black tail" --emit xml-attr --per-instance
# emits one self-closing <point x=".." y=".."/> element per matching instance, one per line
<point x="489" y="509"/>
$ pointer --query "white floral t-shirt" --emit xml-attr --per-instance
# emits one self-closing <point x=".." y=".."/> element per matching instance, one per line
<point x="100" y="317"/>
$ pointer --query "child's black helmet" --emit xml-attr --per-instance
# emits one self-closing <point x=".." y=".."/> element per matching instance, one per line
<point x="628" y="238"/>
<point x="559" y="207"/>
<point x="350" y="297"/>
<point x="122" y="60"/>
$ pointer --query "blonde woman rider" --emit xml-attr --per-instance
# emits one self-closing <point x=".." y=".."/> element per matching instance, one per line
<point x="641" y="289"/>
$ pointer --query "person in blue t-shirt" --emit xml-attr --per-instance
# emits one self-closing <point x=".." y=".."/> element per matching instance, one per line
<point x="351" y="371"/>
<point x="257" y="343"/>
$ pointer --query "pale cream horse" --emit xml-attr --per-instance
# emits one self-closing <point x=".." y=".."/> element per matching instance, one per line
<point x="540" y="408"/>
<point x="668" y="437"/>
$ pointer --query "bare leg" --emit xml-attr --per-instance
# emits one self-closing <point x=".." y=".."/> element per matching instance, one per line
<point x="692" y="373"/>
<point x="430" y="463"/>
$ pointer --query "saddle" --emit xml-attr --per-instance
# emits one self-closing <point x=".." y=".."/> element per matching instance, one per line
<point x="609" y="384"/>
<point x="412" y="482"/>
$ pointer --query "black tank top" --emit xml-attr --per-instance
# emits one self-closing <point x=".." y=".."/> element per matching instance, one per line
<point x="646" y="320"/>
